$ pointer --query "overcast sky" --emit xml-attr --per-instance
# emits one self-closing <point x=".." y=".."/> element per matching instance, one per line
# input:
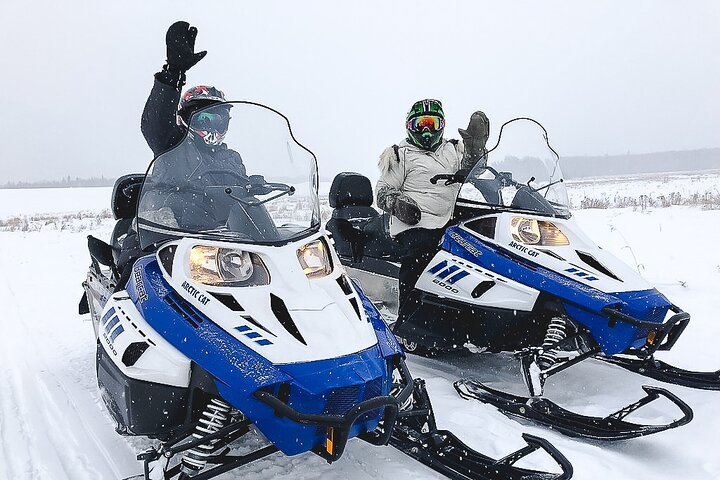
<point x="602" y="76"/>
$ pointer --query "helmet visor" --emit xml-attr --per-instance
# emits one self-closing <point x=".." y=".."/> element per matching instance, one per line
<point x="211" y="122"/>
<point x="431" y="123"/>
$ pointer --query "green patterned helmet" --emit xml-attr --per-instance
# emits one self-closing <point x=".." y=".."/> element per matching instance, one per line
<point x="425" y="123"/>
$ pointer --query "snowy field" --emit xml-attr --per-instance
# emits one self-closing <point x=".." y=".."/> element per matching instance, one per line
<point x="54" y="426"/>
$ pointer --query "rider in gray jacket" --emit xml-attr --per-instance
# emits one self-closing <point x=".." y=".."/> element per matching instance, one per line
<point x="419" y="209"/>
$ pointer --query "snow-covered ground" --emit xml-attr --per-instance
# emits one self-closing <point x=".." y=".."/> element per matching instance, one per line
<point x="54" y="426"/>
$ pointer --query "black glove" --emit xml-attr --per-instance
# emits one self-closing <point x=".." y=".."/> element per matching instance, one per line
<point x="407" y="210"/>
<point x="180" y="42"/>
<point x="475" y="137"/>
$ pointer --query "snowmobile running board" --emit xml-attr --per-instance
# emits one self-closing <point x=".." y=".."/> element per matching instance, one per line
<point x="659" y="370"/>
<point x="545" y="412"/>
<point x="416" y="435"/>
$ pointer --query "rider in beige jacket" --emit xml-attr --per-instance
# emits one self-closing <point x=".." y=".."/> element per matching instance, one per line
<point x="420" y="209"/>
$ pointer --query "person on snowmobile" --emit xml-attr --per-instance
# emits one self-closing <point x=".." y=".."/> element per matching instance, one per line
<point x="166" y="116"/>
<point x="419" y="209"/>
<point x="166" y="122"/>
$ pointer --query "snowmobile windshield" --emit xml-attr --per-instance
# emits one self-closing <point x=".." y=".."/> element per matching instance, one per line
<point x="522" y="173"/>
<point x="238" y="175"/>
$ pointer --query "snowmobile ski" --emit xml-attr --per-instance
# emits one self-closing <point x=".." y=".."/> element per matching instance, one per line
<point x="416" y="435"/>
<point x="546" y="412"/>
<point x="659" y="370"/>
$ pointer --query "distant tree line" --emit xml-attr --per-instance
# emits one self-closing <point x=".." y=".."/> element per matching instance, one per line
<point x="64" y="183"/>
<point x="612" y="165"/>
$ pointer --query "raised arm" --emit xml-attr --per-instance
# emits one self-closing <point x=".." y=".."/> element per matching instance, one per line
<point x="158" y="123"/>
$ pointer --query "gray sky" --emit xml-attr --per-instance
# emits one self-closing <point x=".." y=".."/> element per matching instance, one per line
<point x="602" y="76"/>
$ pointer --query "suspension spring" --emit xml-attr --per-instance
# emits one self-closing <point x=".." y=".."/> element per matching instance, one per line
<point x="215" y="416"/>
<point x="556" y="332"/>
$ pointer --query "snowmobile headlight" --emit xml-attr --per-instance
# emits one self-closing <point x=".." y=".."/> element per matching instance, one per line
<point x="226" y="267"/>
<point x="315" y="259"/>
<point x="530" y="231"/>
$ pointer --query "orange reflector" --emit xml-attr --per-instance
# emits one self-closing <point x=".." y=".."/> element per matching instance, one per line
<point x="329" y="440"/>
<point x="651" y="337"/>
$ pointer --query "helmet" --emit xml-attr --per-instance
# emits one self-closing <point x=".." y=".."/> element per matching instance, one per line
<point x="425" y="123"/>
<point x="212" y="123"/>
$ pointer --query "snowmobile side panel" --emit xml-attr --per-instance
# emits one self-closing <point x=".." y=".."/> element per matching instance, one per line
<point x="584" y="304"/>
<point x="140" y="407"/>
<point x="136" y="349"/>
<point x="449" y="276"/>
<point x="494" y="328"/>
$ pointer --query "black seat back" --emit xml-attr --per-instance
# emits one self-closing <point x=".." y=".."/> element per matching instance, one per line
<point x="358" y="229"/>
<point x="125" y="195"/>
<point x="351" y="197"/>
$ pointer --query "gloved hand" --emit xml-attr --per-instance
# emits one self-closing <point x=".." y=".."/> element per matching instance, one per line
<point x="407" y="210"/>
<point x="475" y="137"/>
<point x="180" y="42"/>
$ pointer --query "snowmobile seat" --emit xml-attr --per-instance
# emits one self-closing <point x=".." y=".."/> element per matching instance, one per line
<point x="358" y="228"/>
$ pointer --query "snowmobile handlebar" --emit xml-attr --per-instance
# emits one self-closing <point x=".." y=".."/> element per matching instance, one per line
<point x="449" y="178"/>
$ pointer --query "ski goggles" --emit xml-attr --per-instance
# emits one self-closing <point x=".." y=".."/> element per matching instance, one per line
<point x="209" y="121"/>
<point x="430" y="122"/>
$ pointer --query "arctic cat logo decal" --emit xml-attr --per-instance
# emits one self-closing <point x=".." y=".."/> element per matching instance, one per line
<point x="139" y="284"/>
<point x="195" y="293"/>
<point x="524" y="249"/>
<point x="442" y="271"/>
<point x="465" y="244"/>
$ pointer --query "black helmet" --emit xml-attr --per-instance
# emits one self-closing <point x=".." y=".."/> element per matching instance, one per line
<point x="425" y="123"/>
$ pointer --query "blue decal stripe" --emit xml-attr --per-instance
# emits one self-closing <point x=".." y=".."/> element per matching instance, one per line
<point x="458" y="276"/>
<point x="107" y="315"/>
<point x="109" y="326"/>
<point x="572" y="270"/>
<point x="242" y="328"/>
<point x="448" y="271"/>
<point x="438" y="267"/>
<point x="253" y="335"/>
<point x="582" y="274"/>
<point x="591" y="278"/>
<point x="263" y="342"/>
<point x="117" y="332"/>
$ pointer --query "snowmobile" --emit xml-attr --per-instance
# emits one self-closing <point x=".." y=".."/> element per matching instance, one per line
<point x="514" y="273"/>
<point x="220" y="309"/>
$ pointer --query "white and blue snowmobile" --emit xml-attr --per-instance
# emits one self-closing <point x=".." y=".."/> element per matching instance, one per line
<point x="515" y="273"/>
<point x="234" y="314"/>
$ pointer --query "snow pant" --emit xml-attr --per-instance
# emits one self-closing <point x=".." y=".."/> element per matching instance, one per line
<point x="419" y="247"/>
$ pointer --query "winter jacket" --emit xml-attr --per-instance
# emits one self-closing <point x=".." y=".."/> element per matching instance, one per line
<point x="158" y="123"/>
<point x="409" y="173"/>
